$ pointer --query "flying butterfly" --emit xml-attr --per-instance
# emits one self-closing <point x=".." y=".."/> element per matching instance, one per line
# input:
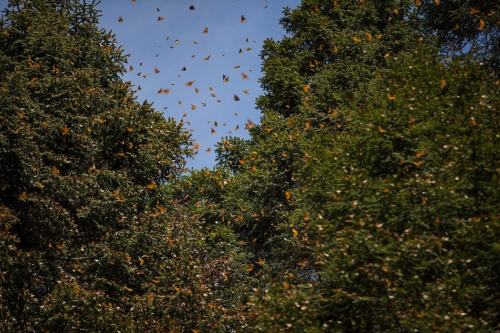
<point x="163" y="91"/>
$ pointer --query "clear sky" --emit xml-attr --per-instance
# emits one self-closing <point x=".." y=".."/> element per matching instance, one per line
<point x="169" y="45"/>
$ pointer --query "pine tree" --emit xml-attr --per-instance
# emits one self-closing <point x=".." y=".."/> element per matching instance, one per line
<point x="392" y="215"/>
<point x="402" y="203"/>
<point x="332" y="50"/>
<point x="353" y="214"/>
<point x="88" y="240"/>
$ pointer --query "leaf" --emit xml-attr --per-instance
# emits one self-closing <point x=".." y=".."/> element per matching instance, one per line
<point x="288" y="195"/>
<point x="205" y="30"/>
<point x="295" y="232"/>
<point x="151" y="186"/>
<point x="189" y="83"/>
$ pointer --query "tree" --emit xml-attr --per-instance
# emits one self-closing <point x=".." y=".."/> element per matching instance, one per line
<point x="402" y="203"/>
<point x="87" y="240"/>
<point x="365" y="199"/>
<point x="362" y="183"/>
<point x="464" y="27"/>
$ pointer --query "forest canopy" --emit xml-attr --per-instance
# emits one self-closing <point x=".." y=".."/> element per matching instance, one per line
<point x="365" y="200"/>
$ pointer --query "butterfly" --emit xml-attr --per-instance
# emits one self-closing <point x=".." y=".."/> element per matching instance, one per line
<point x="163" y="91"/>
<point x="249" y="124"/>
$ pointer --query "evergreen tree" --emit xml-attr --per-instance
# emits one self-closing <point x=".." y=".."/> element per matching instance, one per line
<point x="87" y="239"/>
<point x="358" y="191"/>
<point x="402" y="206"/>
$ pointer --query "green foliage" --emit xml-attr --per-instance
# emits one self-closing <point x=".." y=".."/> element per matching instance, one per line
<point x="403" y="203"/>
<point x="366" y="200"/>
<point x="87" y="239"/>
<point x="368" y="193"/>
<point x="465" y="27"/>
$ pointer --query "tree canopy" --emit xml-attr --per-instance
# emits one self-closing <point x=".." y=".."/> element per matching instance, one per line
<point x="365" y="200"/>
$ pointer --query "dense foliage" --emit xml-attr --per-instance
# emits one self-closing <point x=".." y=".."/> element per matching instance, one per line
<point x="368" y="194"/>
<point x="366" y="200"/>
<point x="87" y="239"/>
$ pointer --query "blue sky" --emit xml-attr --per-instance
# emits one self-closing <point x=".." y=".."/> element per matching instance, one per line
<point x="169" y="45"/>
